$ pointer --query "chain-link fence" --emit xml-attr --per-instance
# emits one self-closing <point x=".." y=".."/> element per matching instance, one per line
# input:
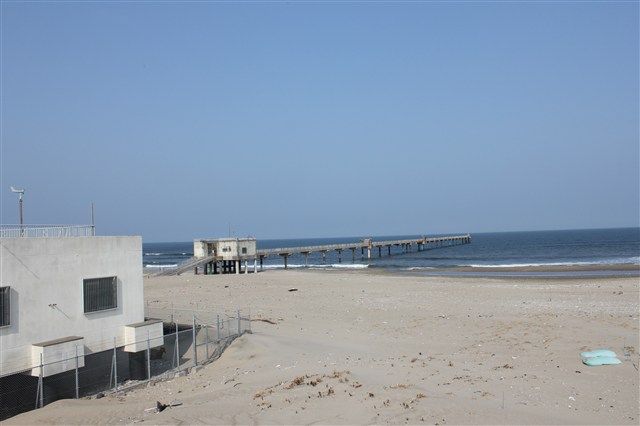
<point x="190" y="339"/>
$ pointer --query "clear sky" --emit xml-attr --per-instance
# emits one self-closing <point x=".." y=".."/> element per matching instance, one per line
<point x="184" y="120"/>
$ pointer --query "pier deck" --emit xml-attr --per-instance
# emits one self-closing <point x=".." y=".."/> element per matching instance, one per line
<point x="422" y="243"/>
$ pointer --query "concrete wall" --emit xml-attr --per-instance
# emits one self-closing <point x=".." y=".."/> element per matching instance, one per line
<point x="46" y="279"/>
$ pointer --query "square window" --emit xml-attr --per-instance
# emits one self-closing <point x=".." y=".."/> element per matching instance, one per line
<point x="100" y="294"/>
<point x="5" y="305"/>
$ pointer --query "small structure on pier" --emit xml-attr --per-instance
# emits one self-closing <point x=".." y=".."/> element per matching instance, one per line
<point x="224" y="255"/>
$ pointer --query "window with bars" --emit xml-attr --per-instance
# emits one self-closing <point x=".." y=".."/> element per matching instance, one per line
<point x="5" y="306"/>
<point x="100" y="294"/>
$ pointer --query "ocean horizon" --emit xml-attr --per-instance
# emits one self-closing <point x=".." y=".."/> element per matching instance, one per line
<point x="583" y="251"/>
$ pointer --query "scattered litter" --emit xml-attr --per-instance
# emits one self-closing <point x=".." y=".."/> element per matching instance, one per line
<point x="600" y="357"/>
<point x="160" y="407"/>
<point x="293" y="289"/>
<point x="264" y="319"/>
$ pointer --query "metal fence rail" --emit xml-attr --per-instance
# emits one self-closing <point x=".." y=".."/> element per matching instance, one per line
<point x="54" y="231"/>
<point x="190" y="339"/>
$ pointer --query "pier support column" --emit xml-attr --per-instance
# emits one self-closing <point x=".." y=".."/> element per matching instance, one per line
<point x="379" y="251"/>
<point x="339" y="256"/>
<point x="368" y="252"/>
<point x="324" y="257"/>
<point x="353" y="255"/>
<point x="261" y="263"/>
<point x="255" y="265"/>
<point x="246" y="266"/>
<point x="237" y="266"/>
<point x="306" y="258"/>
<point x="389" y="249"/>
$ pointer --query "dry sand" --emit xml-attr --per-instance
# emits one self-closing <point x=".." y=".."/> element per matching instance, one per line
<point x="365" y="348"/>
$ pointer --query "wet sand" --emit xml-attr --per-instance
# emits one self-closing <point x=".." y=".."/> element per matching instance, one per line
<point x="362" y="347"/>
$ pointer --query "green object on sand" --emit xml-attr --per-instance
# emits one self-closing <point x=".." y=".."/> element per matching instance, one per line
<point x="601" y="360"/>
<point x="598" y="352"/>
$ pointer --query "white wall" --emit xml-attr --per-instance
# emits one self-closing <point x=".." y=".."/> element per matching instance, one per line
<point x="44" y="271"/>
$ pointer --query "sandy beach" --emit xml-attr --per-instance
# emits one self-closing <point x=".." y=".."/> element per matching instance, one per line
<point x="372" y="348"/>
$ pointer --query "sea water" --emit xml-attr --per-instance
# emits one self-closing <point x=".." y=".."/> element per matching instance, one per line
<point x="593" y="247"/>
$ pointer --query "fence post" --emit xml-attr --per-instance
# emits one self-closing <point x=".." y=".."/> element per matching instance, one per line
<point x="148" y="358"/>
<point x="39" y="395"/>
<point x="217" y="328"/>
<point x="206" y="335"/>
<point x="239" y="325"/>
<point x="177" y="348"/>
<point x="195" y="344"/>
<point x="77" y="380"/>
<point x="115" y="365"/>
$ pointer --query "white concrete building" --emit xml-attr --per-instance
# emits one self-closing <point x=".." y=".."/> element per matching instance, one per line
<point x="67" y="295"/>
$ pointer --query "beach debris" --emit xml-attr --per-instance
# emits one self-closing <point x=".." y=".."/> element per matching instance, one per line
<point x="600" y="357"/>
<point x="293" y="289"/>
<point x="399" y="386"/>
<point x="264" y="320"/>
<point x="160" y="407"/>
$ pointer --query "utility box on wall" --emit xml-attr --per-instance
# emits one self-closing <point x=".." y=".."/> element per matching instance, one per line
<point x="143" y="335"/>
<point x="57" y="355"/>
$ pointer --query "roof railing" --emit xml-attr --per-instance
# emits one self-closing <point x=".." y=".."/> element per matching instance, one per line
<point x="51" y="231"/>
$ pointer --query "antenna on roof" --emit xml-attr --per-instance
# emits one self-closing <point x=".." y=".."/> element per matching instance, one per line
<point x="21" y="192"/>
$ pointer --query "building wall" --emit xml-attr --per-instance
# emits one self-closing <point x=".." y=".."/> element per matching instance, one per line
<point x="225" y="248"/>
<point x="46" y="279"/>
<point x="235" y="246"/>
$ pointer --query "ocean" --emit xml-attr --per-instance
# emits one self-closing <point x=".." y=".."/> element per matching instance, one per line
<point x="593" y="248"/>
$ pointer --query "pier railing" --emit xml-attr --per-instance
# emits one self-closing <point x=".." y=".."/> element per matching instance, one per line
<point x="54" y="231"/>
<point x="363" y="244"/>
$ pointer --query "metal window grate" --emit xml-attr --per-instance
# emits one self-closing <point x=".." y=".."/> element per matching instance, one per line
<point x="100" y="294"/>
<point x="5" y="305"/>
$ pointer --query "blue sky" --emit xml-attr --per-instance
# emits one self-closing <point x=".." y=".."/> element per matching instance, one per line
<point x="287" y="119"/>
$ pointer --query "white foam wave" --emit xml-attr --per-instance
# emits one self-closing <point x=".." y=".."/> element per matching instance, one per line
<point x="174" y="265"/>
<point x="626" y="261"/>
<point x="330" y="266"/>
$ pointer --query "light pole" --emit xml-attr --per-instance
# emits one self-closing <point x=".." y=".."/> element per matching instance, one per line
<point x="20" y="192"/>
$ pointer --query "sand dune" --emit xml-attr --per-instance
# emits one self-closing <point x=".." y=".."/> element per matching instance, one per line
<point x="363" y="348"/>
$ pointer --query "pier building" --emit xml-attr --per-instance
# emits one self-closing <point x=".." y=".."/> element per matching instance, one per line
<point x="224" y="255"/>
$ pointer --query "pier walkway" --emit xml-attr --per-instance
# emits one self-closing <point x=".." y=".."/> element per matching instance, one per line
<point x="366" y="247"/>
